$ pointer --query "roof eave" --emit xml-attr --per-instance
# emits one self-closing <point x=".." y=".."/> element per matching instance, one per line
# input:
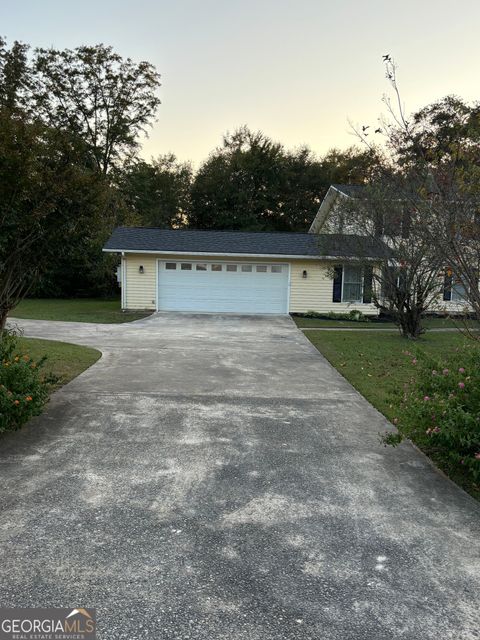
<point x="276" y="256"/>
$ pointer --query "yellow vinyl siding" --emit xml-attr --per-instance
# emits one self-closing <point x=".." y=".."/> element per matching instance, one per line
<point x="313" y="293"/>
<point x="140" y="287"/>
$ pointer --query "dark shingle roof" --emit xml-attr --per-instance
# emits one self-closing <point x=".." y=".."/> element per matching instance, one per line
<point x="242" y="242"/>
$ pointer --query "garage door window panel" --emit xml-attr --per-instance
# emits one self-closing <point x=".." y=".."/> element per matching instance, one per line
<point x="186" y="266"/>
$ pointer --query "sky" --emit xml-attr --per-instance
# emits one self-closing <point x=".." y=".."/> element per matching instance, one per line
<point x="299" y="70"/>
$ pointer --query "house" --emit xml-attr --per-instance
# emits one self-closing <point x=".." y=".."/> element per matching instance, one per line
<point x="333" y="218"/>
<point x="245" y="272"/>
<point x="328" y="269"/>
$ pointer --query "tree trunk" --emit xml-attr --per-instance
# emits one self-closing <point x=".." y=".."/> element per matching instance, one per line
<point x="410" y="323"/>
<point x="3" y="318"/>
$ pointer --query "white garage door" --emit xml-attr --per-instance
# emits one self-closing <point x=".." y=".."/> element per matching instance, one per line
<point x="222" y="286"/>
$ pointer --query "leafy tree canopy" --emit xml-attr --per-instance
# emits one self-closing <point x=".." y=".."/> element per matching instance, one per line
<point x="158" y="193"/>
<point x="254" y="183"/>
<point x="105" y="99"/>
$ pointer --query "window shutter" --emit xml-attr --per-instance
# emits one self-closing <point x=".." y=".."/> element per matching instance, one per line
<point x="476" y="281"/>
<point x="447" y="287"/>
<point x="367" y="285"/>
<point x="389" y="280"/>
<point x="337" y="283"/>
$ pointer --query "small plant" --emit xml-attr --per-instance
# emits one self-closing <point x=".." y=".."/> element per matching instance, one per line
<point x="393" y="438"/>
<point x="357" y="316"/>
<point x="24" y="390"/>
<point x="440" y="410"/>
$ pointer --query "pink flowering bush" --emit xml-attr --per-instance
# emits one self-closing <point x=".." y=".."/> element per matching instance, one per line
<point x="440" y="411"/>
<point x="24" y="390"/>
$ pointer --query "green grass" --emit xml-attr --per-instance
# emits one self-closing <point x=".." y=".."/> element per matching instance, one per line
<point x="429" y="323"/>
<point x="78" y="310"/>
<point x="375" y="364"/>
<point x="64" y="360"/>
<point x="378" y="366"/>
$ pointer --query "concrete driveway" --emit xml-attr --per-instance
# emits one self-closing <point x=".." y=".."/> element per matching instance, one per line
<point x="212" y="477"/>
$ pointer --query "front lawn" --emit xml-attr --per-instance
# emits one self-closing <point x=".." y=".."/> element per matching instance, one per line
<point x="76" y="310"/>
<point x="379" y="365"/>
<point x="66" y="361"/>
<point x="331" y="323"/>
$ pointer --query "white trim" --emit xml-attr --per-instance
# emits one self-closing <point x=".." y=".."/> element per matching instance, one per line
<point x="325" y="207"/>
<point x="343" y="192"/>
<point x="157" y="274"/>
<point x="226" y="256"/>
<point x="362" y="284"/>
<point x="289" y="283"/>
<point x="123" y="267"/>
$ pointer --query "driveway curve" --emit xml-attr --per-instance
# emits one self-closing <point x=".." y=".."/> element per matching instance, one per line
<point x="213" y="477"/>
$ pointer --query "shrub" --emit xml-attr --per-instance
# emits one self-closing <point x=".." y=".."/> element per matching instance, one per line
<point x="24" y="390"/>
<point x="440" y="410"/>
<point x="353" y="315"/>
<point x="357" y="316"/>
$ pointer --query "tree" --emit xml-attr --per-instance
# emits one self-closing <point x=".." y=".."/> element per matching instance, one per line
<point x="239" y="186"/>
<point x="15" y="78"/>
<point x="49" y="187"/>
<point x="434" y="167"/>
<point x="351" y="166"/>
<point x="106" y="101"/>
<point x="46" y="194"/>
<point x="97" y="95"/>
<point x="158" y="193"/>
<point x="442" y="148"/>
<point x="406" y="284"/>
<point x="254" y="183"/>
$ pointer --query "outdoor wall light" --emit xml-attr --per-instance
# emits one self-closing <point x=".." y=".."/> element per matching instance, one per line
<point x="141" y="269"/>
<point x="304" y="274"/>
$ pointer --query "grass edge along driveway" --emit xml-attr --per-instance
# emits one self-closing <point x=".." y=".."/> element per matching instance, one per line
<point x="64" y="360"/>
<point x="95" y="310"/>
<point x="377" y="366"/>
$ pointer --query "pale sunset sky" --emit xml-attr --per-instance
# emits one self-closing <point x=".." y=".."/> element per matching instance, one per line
<point x="298" y="70"/>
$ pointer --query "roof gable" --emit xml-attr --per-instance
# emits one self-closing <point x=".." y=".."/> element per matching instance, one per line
<point x="334" y="192"/>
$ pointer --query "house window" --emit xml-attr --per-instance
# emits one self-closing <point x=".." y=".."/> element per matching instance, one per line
<point x="246" y="268"/>
<point x="459" y="293"/>
<point x="201" y="267"/>
<point x="186" y="266"/>
<point x="216" y="267"/>
<point x="453" y="288"/>
<point x="352" y="284"/>
<point x="170" y="265"/>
